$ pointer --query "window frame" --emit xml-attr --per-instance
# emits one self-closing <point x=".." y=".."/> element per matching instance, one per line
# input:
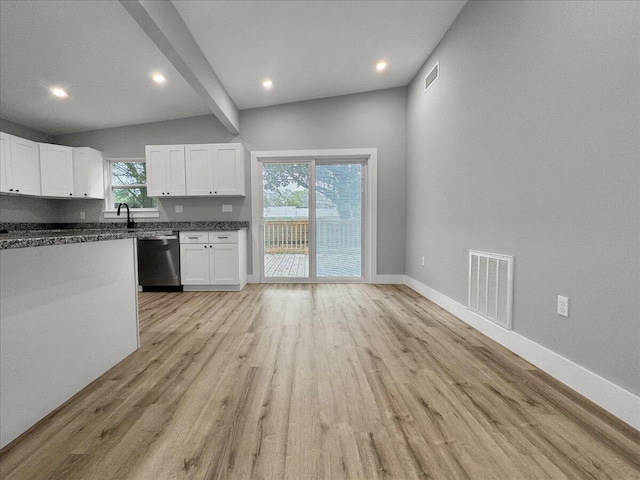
<point x="109" y="209"/>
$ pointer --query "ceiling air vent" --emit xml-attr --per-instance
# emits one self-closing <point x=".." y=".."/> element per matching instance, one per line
<point x="432" y="76"/>
<point x="491" y="286"/>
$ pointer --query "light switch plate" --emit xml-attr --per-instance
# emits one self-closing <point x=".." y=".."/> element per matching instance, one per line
<point x="227" y="208"/>
<point x="178" y="208"/>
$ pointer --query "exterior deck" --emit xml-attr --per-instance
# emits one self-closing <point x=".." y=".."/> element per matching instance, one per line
<point x="289" y="265"/>
<point x="344" y="264"/>
<point x="287" y="249"/>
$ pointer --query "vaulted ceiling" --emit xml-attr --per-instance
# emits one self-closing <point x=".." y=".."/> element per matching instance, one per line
<point x="104" y="57"/>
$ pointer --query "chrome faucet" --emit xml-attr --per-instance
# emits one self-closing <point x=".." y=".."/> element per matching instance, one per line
<point x="130" y="222"/>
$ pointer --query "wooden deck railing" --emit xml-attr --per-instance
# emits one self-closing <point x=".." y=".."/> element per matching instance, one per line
<point x="286" y="236"/>
<point x="292" y="236"/>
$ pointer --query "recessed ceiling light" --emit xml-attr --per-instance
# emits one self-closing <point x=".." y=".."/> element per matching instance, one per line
<point x="268" y="83"/>
<point x="59" y="92"/>
<point x="158" y="78"/>
<point x="381" y="66"/>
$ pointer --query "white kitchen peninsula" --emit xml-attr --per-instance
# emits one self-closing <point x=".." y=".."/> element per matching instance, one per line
<point x="68" y="313"/>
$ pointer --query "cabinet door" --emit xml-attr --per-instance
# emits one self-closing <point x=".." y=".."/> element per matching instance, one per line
<point x="95" y="174"/>
<point x="80" y="172"/>
<point x="194" y="264"/>
<point x="156" y="170"/>
<point x="88" y="173"/>
<point x="224" y="264"/>
<point x="228" y="172"/>
<point x="176" y="175"/>
<point x="6" y="181"/>
<point x="56" y="170"/>
<point x="199" y="159"/>
<point x="25" y="166"/>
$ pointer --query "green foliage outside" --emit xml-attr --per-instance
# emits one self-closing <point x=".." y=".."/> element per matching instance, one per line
<point x="133" y="174"/>
<point x="337" y="185"/>
<point x="286" y="198"/>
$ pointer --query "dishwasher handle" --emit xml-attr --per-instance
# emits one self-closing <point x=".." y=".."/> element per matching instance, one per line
<point x="159" y="237"/>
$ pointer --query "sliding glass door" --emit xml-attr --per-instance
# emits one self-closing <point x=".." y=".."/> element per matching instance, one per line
<point x="338" y="215"/>
<point x="313" y="220"/>
<point x="286" y="220"/>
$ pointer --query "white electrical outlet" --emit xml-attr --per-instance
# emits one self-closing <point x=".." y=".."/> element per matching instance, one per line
<point x="178" y="208"/>
<point x="83" y="216"/>
<point x="227" y="208"/>
<point x="423" y="261"/>
<point x="563" y="306"/>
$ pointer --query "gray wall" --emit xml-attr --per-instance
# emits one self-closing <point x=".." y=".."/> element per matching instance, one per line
<point x="24" y="132"/>
<point x="529" y="145"/>
<point x="374" y="119"/>
<point x="14" y="208"/>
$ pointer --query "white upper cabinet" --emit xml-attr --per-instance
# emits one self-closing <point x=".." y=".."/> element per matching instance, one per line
<point x="88" y="173"/>
<point x="165" y="170"/>
<point x="228" y="169"/>
<point x="176" y="170"/>
<point x="56" y="170"/>
<point x="6" y="180"/>
<point x="42" y="169"/>
<point x="199" y="160"/>
<point x="156" y="170"/>
<point x="19" y="165"/>
<point x="215" y="169"/>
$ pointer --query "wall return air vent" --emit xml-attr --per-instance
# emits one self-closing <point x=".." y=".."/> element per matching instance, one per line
<point x="432" y="76"/>
<point x="491" y="286"/>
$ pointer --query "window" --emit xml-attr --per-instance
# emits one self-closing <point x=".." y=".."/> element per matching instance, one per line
<point x="128" y="184"/>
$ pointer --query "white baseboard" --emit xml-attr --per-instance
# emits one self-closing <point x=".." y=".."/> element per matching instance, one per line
<point x="616" y="400"/>
<point x="212" y="288"/>
<point x="389" y="279"/>
<point x="381" y="279"/>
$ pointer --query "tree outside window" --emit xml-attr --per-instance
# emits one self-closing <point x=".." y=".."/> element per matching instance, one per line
<point x="129" y="184"/>
<point x="336" y="186"/>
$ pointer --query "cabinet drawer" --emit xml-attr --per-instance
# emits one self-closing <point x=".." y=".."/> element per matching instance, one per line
<point x="194" y="237"/>
<point x="223" y="237"/>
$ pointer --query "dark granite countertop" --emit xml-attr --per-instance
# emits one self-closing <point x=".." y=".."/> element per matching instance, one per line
<point x="22" y="235"/>
<point x="41" y="238"/>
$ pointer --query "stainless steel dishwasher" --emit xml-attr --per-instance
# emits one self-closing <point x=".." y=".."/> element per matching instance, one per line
<point x="159" y="263"/>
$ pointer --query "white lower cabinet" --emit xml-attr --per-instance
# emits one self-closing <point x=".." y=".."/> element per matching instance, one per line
<point x="213" y="260"/>
<point x="194" y="264"/>
<point x="224" y="264"/>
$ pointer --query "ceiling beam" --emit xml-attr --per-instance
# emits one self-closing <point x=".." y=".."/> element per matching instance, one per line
<point x="165" y="27"/>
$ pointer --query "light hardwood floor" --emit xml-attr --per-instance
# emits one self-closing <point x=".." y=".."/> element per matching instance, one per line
<point x="320" y="382"/>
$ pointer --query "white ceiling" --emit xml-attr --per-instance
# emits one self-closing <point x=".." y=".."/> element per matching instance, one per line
<point x="95" y="50"/>
<point x="100" y="54"/>
<point x="314" y="49"/>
